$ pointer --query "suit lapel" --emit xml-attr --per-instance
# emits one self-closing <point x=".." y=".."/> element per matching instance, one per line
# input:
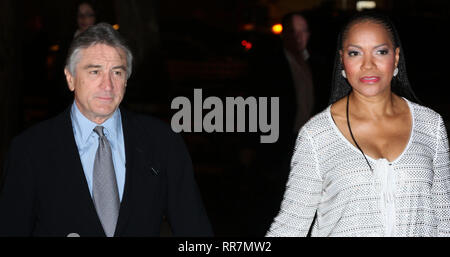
<point x="76" y="178"/>
<point x="130" y="145"/>
<point x="139" y="160"/>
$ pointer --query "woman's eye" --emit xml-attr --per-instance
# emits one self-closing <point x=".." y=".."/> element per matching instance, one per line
<point x="353" y="53"/>
<point x="383" y="51"/>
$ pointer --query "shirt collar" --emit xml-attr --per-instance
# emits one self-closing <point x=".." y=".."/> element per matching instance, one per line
<point x="85" y="127"/>
<point x="305" y="54"/>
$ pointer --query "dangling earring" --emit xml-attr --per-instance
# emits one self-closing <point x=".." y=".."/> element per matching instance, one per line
<point x="395" y="72"/>
<point x="343" y="74"/>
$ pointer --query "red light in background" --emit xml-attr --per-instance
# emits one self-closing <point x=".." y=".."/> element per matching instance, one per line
<point x="246" y="44"/>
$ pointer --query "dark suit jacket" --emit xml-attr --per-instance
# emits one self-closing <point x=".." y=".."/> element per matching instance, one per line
<point x="45" y="193"/>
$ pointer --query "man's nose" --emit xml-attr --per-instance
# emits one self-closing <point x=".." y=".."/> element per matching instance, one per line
<point x="107" y="82"/>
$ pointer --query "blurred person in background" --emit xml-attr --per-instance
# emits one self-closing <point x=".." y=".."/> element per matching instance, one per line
<point x="295" y="36"/>
<point x="282" y="69"/>
<point x="86" y="16"/>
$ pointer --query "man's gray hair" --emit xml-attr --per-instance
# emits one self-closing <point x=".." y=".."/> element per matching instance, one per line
<point x="102" y="33"/>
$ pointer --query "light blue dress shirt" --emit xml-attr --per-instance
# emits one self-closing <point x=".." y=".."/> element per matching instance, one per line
<point x="87" y="143"/>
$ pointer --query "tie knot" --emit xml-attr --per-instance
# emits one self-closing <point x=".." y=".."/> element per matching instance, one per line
<point x="99" y="131"/>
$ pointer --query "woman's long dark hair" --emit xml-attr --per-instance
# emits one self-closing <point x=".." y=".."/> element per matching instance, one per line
<point x="400" y="84"/>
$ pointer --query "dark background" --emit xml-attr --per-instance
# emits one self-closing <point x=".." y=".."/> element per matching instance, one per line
<point x="182" y="45"/>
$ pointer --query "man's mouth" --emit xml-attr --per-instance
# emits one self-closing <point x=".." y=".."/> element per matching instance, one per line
<point x="104" y="98"/>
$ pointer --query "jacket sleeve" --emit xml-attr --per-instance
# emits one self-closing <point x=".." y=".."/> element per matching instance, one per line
<point x="441" y="181"/>
<point x="17" y="194"/>
<point x="186" y="213"/>
<point x="303" y="192"/>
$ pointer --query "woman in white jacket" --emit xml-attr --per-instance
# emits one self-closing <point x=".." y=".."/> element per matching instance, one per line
<point x="375" y="162"/>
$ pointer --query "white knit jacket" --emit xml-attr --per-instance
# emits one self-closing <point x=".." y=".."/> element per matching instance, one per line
<point x="409" y="196"/>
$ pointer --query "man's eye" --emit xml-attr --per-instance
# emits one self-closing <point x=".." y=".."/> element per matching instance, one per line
<point x="118" y="73"/>
<point x="93" y="72"/>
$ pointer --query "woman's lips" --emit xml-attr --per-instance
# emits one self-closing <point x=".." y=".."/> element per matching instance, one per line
<point x="369" y="79"/>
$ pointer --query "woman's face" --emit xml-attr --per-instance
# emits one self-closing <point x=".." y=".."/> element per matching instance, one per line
<point x="369" y="58"/>
<point x="85" y="16"/>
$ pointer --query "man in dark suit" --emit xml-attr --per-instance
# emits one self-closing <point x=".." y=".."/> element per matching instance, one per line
<point x="97" y="169"/>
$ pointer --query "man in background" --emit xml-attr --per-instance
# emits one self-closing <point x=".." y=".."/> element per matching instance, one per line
<point x="295" y="38"/>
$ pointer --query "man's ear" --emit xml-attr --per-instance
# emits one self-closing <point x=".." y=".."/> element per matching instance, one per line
<point x="69" y="79"/>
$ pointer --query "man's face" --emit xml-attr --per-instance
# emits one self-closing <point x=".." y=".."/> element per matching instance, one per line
<point x="99" y="81"/>
<point x="301" y="31"/>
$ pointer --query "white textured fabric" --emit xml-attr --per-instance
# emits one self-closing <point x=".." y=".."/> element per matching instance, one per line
<point x="409" y="196"/>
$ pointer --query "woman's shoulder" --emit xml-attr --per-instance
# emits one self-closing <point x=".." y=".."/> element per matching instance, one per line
<point x="427" y="122"/>
<point x="423" y="113"/>
<point x="319" y="123"/>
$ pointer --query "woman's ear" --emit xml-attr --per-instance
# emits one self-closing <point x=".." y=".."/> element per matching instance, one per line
<point x="341" y="54"/>
<point x="397" y="56"/>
